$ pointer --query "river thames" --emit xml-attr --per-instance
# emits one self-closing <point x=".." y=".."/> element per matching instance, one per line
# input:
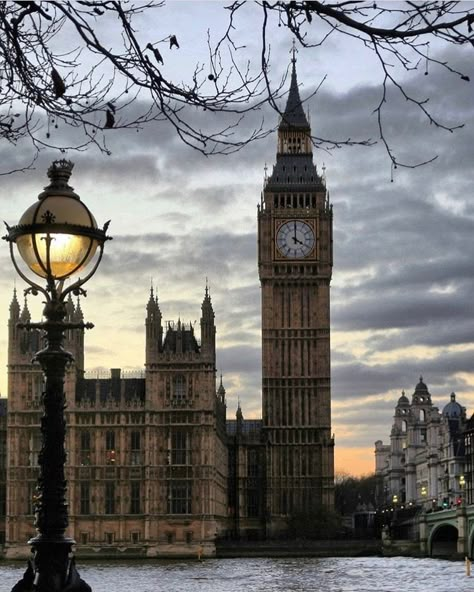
<point x="365" y="574"/>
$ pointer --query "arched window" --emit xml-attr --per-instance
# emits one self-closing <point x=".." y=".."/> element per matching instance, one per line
<point x="110" y="449"/>
<point x="422" y="415"/>
<point x="404" y="426"/>
<point x="179" y="387"/>
<point x="85" y="451"/>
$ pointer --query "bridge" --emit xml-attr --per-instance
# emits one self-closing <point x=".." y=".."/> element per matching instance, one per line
<point x="448" y="533"/>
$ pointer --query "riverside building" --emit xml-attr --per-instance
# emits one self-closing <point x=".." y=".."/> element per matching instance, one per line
<point x="154" y="468"/>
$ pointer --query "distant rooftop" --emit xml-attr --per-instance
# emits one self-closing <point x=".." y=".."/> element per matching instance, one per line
<point x="249" y="426"/>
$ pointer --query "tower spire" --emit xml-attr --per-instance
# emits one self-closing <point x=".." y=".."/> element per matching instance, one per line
<point x="294" y="52"/>
<point x="14" y="307"/>
<point x="294" y="115"/>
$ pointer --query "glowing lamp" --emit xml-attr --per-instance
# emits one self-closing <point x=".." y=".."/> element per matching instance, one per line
<point x="57" y="236"/>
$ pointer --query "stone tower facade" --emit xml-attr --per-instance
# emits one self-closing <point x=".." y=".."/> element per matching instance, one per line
<point x="187" y="446"/>
<point x="295" y="265"/>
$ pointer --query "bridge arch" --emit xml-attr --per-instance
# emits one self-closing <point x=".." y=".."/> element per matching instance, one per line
<point x="470" y="544"/>
<point x="443" y="541"/>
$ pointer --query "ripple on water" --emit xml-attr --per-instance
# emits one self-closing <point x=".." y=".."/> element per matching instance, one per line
<point x="365" y="574"/>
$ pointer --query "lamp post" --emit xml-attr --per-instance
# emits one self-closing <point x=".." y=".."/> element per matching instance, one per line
<point x="56" y="238"/>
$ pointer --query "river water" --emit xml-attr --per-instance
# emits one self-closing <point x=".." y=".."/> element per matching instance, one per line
<point x="366" y="574"/>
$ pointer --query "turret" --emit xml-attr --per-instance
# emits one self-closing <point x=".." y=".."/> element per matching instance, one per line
<point x="69" y="304"/>
<point x="12" y="325"/>
<point x="78" y="314"/>
<point x="22" y="344"/>
<point x="78" y="337"/>
<point x="221" y="392"/>
<point x="154" y="329"/>
<point x="208" y="328"/>
<point x="25" y="315"/>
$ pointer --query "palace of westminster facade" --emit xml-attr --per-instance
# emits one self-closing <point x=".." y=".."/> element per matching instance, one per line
<point x="154" y="468"/>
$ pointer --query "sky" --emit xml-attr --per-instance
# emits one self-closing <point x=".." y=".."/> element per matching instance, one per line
<point x="401" y="293"/>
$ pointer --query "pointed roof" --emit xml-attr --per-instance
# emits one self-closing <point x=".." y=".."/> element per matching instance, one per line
<point x="238" y="414"/>
<point x="206" y="306"/>
<point x="294" y="115"/>
<point x="152" y="304"/>
<point x="78" y="314"/>
<point x="14" y="306"/>
<point x="221" y="389"/>
<point x="25" y="316"/>
<point x="69" y="307"/>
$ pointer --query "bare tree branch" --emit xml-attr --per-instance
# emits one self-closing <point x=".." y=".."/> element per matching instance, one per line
<point x="59" y="71"/>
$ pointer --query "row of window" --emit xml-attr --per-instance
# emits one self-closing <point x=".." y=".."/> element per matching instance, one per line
<point x="110" y="440"/>
<point x="135" y="537"/>
<point x="179" y="498"/>
<point x="179" y="448"/>
<point x="296" y="201"/>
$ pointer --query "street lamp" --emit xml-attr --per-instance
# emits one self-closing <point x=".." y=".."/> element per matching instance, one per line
<point x="56" y="237"/>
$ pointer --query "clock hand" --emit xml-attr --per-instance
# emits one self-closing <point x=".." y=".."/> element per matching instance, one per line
<point x="295" y="240"/>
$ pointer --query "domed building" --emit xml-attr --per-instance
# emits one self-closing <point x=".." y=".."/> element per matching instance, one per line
<point x="424" y="462"/>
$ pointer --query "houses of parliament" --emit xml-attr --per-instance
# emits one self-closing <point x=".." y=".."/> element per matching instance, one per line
<point x="154" y="467"/>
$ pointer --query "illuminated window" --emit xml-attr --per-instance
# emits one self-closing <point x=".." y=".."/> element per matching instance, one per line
<point x="110" y="447"/>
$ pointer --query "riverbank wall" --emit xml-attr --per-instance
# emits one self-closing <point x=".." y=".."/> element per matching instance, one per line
<point x="325" y="548"/>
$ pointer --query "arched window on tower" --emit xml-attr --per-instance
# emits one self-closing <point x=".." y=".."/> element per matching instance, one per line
<point x="422" y="415"/>
<point x="404" y="426"/>
<point x="179" y="388"/>
<point x="85" y="449"/>
<point x="110" y="449"/>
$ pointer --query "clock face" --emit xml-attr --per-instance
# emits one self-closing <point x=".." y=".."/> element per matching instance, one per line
<point x="295" y="239"/>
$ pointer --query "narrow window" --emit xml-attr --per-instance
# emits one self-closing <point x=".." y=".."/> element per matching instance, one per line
<point x="109" y="497"/>
<point x="135" y="497"/>
<point x="179" y="387"/>
<point x="135" y="448"/>
<point x="110" y="447"/>
<point x="180" y="452"/>
<point x="135" y="537"/>
<point x="85" y="450"/>
<point x="85" y="507"/>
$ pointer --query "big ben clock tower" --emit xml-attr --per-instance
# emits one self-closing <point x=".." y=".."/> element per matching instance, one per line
<point x="295" y="264"/>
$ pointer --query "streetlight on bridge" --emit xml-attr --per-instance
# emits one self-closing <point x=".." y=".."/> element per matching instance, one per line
<point x="57" y="237"/>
